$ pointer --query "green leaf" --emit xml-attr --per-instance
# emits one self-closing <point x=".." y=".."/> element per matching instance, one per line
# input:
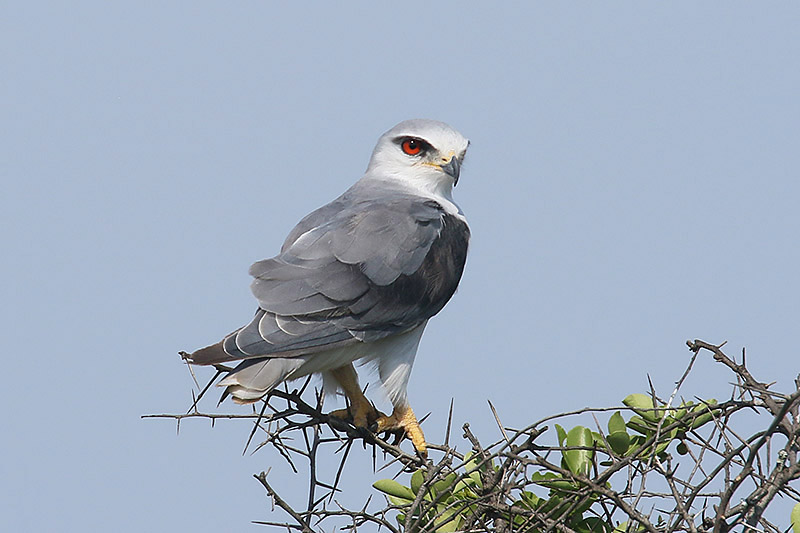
<point x="579" y="461"/>
<point x="637" y="440"/>
<point x="470" y="462"/>
<point x="795" y="518"/>
<point x="529" y="499"/>
<point x="681" y="411"/>
<point x="592" y="524"/>
<point x="555" y="507"/>
<point x="704" y="412"/>
<point x="639" y="424"/>
<point x="552" y="481"/>
<point x="638" y="401"/>
<point x="445" y="484"/>
<point x="660" y="449"/>
<point x="616" y="423"/>
<point x="417" y="478"/>
<point x="393" y="488"/>
<point x="682" y="449"/>
<point x="642" y="405"/>
<point x="399" y="502"/>
<point x="449" y="527"/>
<point x="475" y="477"/>
<point x="582" y="508"/>
<point x="562" y="435"/>
<point x="465" y="485"/>
<point x="463" y="492"/>
<point x="636" y="443"/>
<point x="619" y="441"/>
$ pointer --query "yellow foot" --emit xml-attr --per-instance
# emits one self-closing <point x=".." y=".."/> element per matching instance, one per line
<point x="362" y="415"/>
<point x="403" y="420"/>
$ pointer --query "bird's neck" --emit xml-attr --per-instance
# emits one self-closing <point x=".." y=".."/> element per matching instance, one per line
<point x="437" y="187"/>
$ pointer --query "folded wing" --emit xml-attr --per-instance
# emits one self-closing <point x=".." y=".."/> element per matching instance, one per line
<point x="373" y="269"/>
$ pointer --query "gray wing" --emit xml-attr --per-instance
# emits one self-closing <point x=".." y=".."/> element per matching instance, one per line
<point x="353" y="271"/>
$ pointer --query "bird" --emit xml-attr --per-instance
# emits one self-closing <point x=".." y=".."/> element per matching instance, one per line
<point x="357" y="280"/>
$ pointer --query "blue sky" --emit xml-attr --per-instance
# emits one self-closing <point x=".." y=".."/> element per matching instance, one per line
<point x="632" y="182"/>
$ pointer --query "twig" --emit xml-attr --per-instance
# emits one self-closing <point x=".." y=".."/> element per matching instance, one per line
<point x="302" y="525"/>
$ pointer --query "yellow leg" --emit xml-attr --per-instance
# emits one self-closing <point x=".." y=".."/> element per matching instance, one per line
<point x="361" y="410"/>
<point x="363" y="413"/>
<point x="403" y="418"/>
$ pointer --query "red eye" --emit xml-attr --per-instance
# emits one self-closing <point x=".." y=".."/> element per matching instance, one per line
<point x="412" y="146"/>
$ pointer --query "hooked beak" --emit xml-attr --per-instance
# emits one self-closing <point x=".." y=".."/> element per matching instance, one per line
<point x="452" y="168"/>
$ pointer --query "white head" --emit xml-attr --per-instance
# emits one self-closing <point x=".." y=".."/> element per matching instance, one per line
<point x="425" y="154"/>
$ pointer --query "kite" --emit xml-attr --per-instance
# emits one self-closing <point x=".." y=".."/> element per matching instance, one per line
<point x="357" y="281"/>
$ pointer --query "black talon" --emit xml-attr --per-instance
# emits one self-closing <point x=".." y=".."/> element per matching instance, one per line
<point x="399" y="435"/>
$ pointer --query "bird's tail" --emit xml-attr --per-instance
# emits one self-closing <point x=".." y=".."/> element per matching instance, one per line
<point x="252" y="379"/>
<point x="210" y="355"/>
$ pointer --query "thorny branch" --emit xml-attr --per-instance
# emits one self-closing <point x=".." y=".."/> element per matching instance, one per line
<point x="519" y="484"/>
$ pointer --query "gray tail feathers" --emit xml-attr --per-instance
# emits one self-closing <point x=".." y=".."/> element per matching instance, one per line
<point x="252" y="379"/>
<point x="209" y="355"/>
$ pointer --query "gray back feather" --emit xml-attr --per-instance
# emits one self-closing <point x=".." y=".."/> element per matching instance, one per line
<point x="346" y="273"/>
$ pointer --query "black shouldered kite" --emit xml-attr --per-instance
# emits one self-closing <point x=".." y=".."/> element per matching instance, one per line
<point x="358" y="279"/>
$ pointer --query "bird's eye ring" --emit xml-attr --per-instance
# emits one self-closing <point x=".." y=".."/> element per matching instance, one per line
<point x="412" y="146"/>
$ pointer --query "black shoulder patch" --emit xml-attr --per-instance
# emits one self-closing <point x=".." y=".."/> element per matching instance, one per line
<point x="425" y="292"/>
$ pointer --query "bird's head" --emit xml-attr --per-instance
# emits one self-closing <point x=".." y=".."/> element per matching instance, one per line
<point x="424" y="153"/>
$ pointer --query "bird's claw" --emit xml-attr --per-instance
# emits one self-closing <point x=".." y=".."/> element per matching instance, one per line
<point x="402" y="423"/>
<point x="361" y="416"/>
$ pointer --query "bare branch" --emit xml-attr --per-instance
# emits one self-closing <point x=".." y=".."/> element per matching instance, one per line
<point x="678" y="466"/>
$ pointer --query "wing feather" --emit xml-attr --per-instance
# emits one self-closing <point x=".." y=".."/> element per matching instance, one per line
<point x="353" y="271"/>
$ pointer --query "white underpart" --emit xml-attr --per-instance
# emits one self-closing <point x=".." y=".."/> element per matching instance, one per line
<point x="394" y="357"/>
<point x="394" y="364"/>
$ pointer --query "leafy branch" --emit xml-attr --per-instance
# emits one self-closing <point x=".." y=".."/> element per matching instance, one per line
<point x="654" y="464"/>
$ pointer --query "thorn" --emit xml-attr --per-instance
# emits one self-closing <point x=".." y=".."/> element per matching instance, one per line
<point x="303" y="388"/>
<point x="449" y="425"/>
<point x="255" y="426"/>
<point x="202" y="392"/>
<point x="497" y="419"/>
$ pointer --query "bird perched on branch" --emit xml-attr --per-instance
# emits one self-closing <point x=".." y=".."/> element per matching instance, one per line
<point x="357" y="280"/>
